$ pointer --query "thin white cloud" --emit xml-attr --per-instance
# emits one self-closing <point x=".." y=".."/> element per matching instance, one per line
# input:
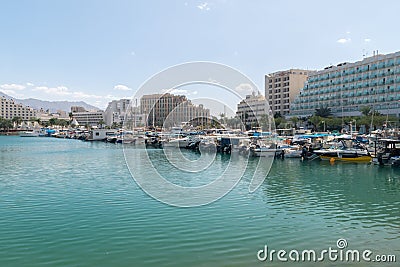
<point x="204" y="6"/>
<point x="82" y="95"/>
<point x="114" y="97"/>
<point x="59" y="90"/>
<point x="179" y="92"/>
<point x="64" y="91"/>
<point x="176" y="91"/>
<point x="12" y="86"/>
<point x="343" y="40"/>
<point x="244" y="88"/>
<point x="54" y="93"/>
<point x="121" y="87"/>
<point x="367" y="40"/>
<point x="133" y="53"/>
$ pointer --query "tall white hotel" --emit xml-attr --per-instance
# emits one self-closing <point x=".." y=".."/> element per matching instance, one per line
<point x="347" y="87"/>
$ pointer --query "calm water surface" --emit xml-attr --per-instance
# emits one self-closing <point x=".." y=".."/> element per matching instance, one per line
<point x="73" y="203"/>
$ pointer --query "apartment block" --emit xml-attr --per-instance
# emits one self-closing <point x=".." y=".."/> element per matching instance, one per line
<point x="160" y="109"/>
<point x="282" y="87"/>
<point x="347" y="87"/>
<point x="91" y="118"/>
<point x="9" y="109"/>
<point x="251" y="109"/>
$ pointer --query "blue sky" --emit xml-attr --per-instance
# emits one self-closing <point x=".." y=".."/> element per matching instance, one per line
<point x="101" y="50"/>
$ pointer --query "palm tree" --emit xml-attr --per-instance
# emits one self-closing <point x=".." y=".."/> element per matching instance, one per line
<point x="277" y="115"/>
<point x="365" y="110"/>
<point x="323" y="112"/>
<point x="294" y="120"/>
<point x="5" y="124"/>
<point x="53" y="121"/>
<point x="223" y="117"/>
<point x="16" y="121"/>
<point x="101" y="123"/>
<point x="114" y="125"/>
<point x="315" y="121"/>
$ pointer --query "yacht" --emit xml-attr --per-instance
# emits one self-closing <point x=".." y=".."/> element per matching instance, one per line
<point x="263" y="148"/>
<point x="177" y="142"/>
<point x="345" y="150"/>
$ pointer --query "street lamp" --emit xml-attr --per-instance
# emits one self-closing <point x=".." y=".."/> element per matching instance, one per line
<point x="324" y="125"/>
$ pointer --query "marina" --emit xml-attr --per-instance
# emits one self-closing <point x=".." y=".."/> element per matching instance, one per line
<point x="378" y="147"/>
<point x="199" y="134"/>
<point x="65" y="202"/>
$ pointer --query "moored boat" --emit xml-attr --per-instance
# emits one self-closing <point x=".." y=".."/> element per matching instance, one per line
<point x="388" y="153"/>
<point x="345" y="150"/>
<point x="29" y="134"/>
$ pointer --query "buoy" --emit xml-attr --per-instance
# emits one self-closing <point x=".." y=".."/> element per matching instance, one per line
<point x="332" y="160"/>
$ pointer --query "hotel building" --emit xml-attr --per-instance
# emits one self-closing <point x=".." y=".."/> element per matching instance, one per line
<point x="119" y="110"/>
<point x="9" y="109"/>
<point x="282" y="87"/>
<point x="167" y="110"/>
<point x="91" y="118"/>
<point x="346" y="87"/>
<point x="251" y="109"/>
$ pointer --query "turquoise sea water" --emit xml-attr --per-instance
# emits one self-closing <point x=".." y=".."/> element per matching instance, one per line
<point x="73" y="203"/>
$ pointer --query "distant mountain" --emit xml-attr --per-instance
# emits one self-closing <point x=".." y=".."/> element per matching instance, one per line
<point x="53" y="106"/>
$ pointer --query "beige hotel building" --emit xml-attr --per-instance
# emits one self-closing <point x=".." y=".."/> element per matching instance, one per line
<point x="282" y="87"/>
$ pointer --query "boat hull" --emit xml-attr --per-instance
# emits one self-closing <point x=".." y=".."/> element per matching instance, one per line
<point x="29" y="134"/>
<point x="344" y="158"/>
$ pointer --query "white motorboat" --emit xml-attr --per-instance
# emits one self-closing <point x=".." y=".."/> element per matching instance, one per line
<point x="29" y="134"/>
<point x="180" y="142"/>
<point x="292" y="151"/>
<point x="265" y="148"/>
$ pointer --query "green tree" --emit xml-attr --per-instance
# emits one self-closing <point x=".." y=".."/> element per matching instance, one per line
<point x="277" y="115"/>
<point x="53" y="121"/>
<point x="323" y="112"/>
<point x="315" y="121"/>
<point x="101" y="123"/>
<point x="280" y="122"/>
<point x="233" y="122"/>
<point x="365" y="110"/>
<point x="115" y="125"/>
<point x="294" y="120"/>
<point x="5" y="124"/>
<point x="17" y="120"/>
<point x="62" y="123"/>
